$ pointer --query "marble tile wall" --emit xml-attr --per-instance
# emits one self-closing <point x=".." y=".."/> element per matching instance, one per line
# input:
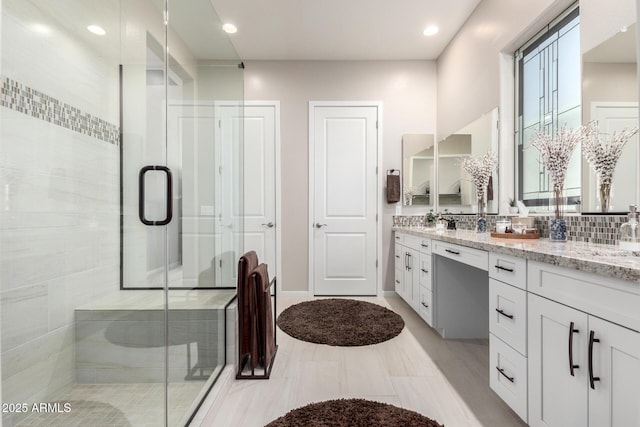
<point x="601" y="229"/>
<point x="59" y="198"/>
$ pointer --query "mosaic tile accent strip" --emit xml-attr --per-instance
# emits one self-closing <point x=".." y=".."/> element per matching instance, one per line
<point x="601" y="229"/>
<point x="23" y="99"/>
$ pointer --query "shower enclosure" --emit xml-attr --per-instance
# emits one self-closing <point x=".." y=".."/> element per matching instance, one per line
<point x="121" y="209"/>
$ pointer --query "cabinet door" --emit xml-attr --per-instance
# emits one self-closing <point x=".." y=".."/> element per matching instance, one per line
<point x="424" y="274"/>
<point x="614" y="399"/>
<point x="558" y="338"/>
<point x="411" y="279"/>
<point x="400" y="268"/>
<point x="425" y="308"/>
<point x="397" y="286"/>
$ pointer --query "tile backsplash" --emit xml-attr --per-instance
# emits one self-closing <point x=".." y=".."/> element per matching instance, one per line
<point x="601" y="229"/>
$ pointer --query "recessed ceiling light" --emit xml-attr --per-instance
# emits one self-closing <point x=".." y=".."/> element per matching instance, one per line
<point x="430" y="30"/>
<point x="229" y="28"/>
<point x="97" y="30"/>
<point x="41" y="29"/>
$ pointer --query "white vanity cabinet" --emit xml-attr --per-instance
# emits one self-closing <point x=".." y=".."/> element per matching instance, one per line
<point x="564" y="343"/>
<point x="508" y="330"/>
<point x="583" y="370"/>
<point x="413" y="272"/>
<point x="425" y="307"/>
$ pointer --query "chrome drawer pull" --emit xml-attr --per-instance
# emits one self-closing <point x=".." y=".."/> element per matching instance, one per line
<point x="505" y="375"/>
<point x="452" y="252"/>
<point x="424" y="271"/>
<point x="423" y="245"/>
<point x="425" y="305"/>
<point x="499" y="267"/>
<point x="510" y="316"/>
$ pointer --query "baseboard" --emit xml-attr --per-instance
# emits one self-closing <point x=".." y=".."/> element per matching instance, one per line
<point x="389" y="294"/>
<point x="305" y="294"/>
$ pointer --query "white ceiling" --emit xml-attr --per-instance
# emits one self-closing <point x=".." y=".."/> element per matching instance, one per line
<point x="342" y="29"/>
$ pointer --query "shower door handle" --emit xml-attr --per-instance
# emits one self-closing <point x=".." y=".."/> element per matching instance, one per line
<point x="141" y="213"/>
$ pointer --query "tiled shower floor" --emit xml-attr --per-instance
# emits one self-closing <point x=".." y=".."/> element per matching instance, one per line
<point x="119" y="405"/>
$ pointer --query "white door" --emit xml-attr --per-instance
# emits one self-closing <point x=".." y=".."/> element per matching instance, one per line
<point x="343" y="242"/>
<point x="556" y="397"/>
<point x="614" y="117"/>
<point x="196" y="189"/>
<point x="229" y="209"/>
<point x="615" y="397"/>
<point x="260" y="182"/>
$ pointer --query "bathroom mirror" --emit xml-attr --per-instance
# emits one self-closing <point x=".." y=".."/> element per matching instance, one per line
<point x="456" y="192"/>
<point x="418" y="170"/>
<point x="610" y="95"/>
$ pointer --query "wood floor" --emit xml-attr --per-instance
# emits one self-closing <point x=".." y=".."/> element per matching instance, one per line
<point x="418" y="370"/>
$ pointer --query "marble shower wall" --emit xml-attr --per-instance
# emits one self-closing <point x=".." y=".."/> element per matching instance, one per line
<point x="59" y="196"/>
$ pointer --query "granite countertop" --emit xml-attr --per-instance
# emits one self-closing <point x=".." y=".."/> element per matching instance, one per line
<point x="605" y="260"/>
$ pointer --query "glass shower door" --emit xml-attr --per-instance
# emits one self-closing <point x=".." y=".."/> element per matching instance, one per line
<point x="182" y="190"/>
<point x="203" y="150"/>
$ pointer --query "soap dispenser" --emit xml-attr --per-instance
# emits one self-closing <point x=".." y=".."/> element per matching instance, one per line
<point x="629" y="232"/>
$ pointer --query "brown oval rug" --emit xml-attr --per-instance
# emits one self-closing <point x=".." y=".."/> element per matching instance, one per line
<point x="340" y="322"/>
<point x="352" y="412"/>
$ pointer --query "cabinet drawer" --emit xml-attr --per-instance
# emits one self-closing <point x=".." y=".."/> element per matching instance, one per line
<point x="399" y="237"/>
<point x="425" y="246"/>
<point x="473" y="257"/>
<point x="425" y="271"/>
<point x="508" y="314"/>
<point x="508" y="269"/>
<point x="612" y="299"/>
<point x="399" y="257"/>
<point x="412" y="242"/>
<point x="508" y="375"/>
<point x="397" y="281"/>
<point x="425" y="308"/>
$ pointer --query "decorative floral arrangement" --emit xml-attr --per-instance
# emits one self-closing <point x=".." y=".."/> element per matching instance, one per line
<point x="480" y="169"/>
<point x="602" y="152"/>
<point x="556" y="153"/>
<point x="410" y="190"/>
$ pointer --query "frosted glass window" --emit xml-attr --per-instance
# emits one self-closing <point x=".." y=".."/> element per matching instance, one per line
<point x="548" y="91"/>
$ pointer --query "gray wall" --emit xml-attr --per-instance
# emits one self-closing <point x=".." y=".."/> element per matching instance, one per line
<point x="469" y="68"/>
<point x="475" y="71"/>
<point x="408" y="92"/>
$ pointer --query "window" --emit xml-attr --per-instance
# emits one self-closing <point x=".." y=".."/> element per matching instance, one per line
<point x="548" y="96"/>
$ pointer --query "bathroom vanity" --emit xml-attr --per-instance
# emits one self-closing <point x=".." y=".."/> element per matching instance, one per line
<point x="562" y="319"/>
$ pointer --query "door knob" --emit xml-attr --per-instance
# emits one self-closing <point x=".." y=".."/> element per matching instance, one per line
<point x="268" y="225"/>
<point x="318" y="225"/>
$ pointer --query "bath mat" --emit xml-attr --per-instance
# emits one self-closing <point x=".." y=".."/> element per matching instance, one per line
<point x="340" y="322"/>
<point x="352" y="413"/>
